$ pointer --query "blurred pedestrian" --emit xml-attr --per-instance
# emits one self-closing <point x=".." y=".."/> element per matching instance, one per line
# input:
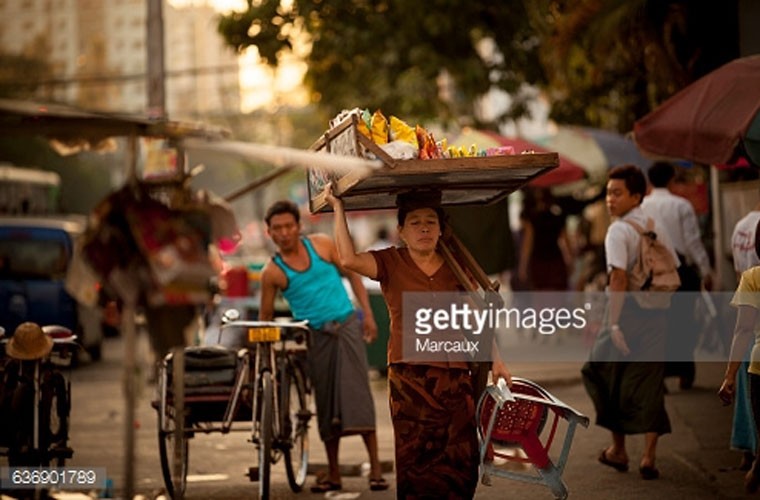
<point x="675" y="216"/>
<point x="545" y="254"/>
<point x="629" y="393"/>
<point x="432" y="403"/>
<point x="746" y="333"/>
<point x="382" y="239"/>
<point x="307" y="272"/>
<point x="743" y="435"/>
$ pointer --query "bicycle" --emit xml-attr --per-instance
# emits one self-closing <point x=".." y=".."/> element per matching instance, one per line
<point x="256" y="374"/>
<point x="36" y="396"/>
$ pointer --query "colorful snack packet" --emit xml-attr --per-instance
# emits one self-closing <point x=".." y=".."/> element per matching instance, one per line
<point x="364" y="124"/>
<point x="400" y="131"/>
<point x="379" y="128"/>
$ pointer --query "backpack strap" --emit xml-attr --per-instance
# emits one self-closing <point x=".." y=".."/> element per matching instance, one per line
<point x="649" y="230"/>
<point x="638" y="228"/>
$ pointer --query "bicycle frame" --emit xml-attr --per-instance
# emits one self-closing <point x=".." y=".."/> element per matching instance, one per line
<point x="277" y="426"/>
<point x="264" y="358"/>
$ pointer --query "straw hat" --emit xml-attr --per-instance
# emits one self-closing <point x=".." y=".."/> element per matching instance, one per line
<point x="29" y="342"/>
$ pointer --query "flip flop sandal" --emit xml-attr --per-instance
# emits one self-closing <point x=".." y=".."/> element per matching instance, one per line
<point x="323" y="486"/>
<point x="618" y="466"/>
<point x="378" y="484"/>
<point x="649" y="472"/>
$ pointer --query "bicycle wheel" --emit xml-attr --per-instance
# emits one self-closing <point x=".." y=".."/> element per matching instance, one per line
<point x="55" y="405"/>
<point x="295" y="430"/>
<point x="166" y="448"/>
<point x="265" y="434"/>
<point x="21" y="450"/>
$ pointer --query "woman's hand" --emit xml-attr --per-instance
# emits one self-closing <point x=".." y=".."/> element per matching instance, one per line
<point x="727" y="391"/>
<point x="500" y="370"/>
<point x="330" y="198"/>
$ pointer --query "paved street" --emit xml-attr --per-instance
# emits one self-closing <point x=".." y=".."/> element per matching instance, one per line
<point x="690" y="459"/>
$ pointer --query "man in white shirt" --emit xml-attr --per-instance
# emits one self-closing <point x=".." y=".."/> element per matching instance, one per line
<point x="743" y="242"/>
<point x="629" y="395"/>
<point x="676" y="216"/>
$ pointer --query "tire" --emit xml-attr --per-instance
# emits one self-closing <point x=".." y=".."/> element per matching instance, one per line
<point x="55" y="406"/>
<point x="296" y="415"/>
<point x="96" y="351"/>
<point x="166" y="448"/>
<point x="265" y="434"/>
<point x="21" y="450"/>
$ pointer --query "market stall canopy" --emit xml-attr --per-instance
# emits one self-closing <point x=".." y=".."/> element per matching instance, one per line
<point x="568" y="171"/>
<point x="713" y="121"/>
<point x="617" y="149"/>
<point x="76" y="129"/>
<point x="596" y="150"/>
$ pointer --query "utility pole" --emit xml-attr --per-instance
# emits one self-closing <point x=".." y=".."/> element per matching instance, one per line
<point x="156" y="72"/>
<point x="157" y="110"/>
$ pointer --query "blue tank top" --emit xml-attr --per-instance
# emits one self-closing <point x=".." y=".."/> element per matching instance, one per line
<point x="316" y="294"/>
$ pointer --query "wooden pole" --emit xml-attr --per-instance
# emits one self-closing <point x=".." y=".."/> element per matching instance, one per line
<point x="155" y="42"/>
<point x="129" y="332"/>
<point x="257" y="183"/>
<point x="461" y="262"/>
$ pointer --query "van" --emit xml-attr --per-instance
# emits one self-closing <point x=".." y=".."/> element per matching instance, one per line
<point x="35" y="253"/>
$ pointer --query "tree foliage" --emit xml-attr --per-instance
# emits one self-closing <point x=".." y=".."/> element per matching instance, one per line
<point x="599" y="62"/>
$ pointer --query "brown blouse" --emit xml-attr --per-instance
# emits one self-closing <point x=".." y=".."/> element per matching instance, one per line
<point x="398" y="273"/>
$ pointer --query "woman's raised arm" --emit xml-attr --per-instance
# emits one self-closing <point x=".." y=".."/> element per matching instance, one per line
<point x="362" y="263"/>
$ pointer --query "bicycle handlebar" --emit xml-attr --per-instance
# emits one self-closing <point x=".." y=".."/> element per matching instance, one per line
<point x="303" y="325"/>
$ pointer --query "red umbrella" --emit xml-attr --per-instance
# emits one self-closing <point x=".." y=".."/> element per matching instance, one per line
<point x="713" y="121"/>
<point x="565" y="173"/>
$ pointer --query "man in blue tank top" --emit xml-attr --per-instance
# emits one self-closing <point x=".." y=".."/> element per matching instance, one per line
<point x="307" y="272"/>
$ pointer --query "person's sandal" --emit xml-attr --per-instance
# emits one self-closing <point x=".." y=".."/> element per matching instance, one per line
<point x="325" y="485"/>
<point x="618" y="466"/>
<point x="649" y="472"/>
<point x="378" y="484"/>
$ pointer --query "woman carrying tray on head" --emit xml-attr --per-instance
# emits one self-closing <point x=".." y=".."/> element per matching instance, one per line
<point x="432" y="404"/>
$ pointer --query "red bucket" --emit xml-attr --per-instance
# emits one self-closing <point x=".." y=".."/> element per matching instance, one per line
<point x="236" y="282"/>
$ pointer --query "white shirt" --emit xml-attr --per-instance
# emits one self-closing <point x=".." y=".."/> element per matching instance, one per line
<point x="621" y="245"/>
<point x="743" y="242"/>
<point x="676" y="216"/>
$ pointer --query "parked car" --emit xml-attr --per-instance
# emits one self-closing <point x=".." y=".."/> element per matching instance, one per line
<point x="35" y="253"/>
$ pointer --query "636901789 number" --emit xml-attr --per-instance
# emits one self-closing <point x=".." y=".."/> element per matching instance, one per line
<point x="64" y="478"/>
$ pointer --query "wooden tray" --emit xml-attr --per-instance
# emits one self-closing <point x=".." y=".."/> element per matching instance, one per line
<point x="462" y="181"/>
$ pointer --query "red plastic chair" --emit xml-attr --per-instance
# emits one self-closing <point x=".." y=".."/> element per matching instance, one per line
<point x="518" y="418"/>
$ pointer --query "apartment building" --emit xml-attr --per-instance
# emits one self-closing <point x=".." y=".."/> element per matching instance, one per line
<point x="97" y="51"/>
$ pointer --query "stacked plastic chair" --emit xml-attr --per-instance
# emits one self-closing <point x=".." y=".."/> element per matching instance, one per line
<point x="517" y="418"/>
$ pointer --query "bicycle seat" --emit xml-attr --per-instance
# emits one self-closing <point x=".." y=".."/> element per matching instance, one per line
<point x="59" y="333"/>
<point x="207" y="365"/>
<point x="207" y="357"/>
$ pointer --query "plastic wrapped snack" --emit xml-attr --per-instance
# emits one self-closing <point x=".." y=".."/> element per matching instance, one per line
<point x="400" y="131"/>
<point x="401" y="150"/>
<point x="427" y="145"/>
<point x="379" y="128"/>
<point x="363" y="125"/>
